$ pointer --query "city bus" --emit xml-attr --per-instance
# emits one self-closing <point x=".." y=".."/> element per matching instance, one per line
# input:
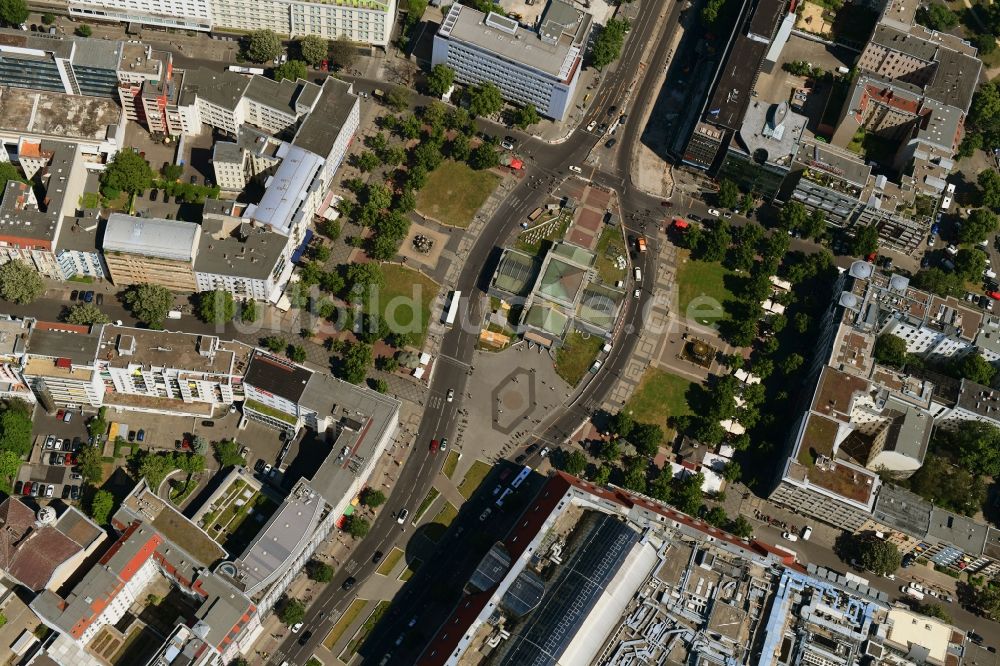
<point x="519" y="479"/>
<point x="451" y="313"/>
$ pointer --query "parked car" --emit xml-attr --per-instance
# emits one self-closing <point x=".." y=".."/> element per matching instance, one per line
<point x="50" y="490"/>
<point x="485" y="514"/>
<point x="73" y="295"/>
<point x="18" y="487"/>
<point x="140" y="436"/>
<point x="377" y="557"/>
<point x="88" y="297"/>
<point x="27" y="488"/>
<point x="789" y="536"/>
<point x="210" y="424"/>
<point x="50" y="442"/>
<point x="591" y="125"/>
<point x="807" y="532"/>
<point x="444" y="443"/>
<point x="451" y="395"/>
<point x="611" y="143"/>
<point x="59" y="414"/>
<point x="68" y="416"/>
<point x="435" y="445"/>
<point x="575" y="169"/>
<point x="296" y="627"/>
<point x="100" y="299"/>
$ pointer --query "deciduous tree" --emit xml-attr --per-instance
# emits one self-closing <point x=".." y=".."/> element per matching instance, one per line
<point x="149" y="303"/>
<point x="439" y="80"/>
<point x="314" y="49"/>
<point x="216" y="307"/>
<point x="19" y="282"/>
<point x="128" y="172"/>
<point x="263" y="45"/>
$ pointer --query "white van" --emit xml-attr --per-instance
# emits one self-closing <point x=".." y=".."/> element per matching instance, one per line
<point x="174" y="314"/>
<point x="806" y="533"/>
<point x="638" y="274"/>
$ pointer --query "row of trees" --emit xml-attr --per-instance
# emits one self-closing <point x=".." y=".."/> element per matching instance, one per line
<point x="609" y="43"/>
<point x="15" y="439"/>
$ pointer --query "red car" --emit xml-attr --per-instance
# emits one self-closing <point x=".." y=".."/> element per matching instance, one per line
<point x="995" y="295"/>
<point x="434" y="446"/>
<point x="324" y="66"/>
<point x="69" y="459"/>
<point x="59" y="414"/>
<point x="27" y="488"/>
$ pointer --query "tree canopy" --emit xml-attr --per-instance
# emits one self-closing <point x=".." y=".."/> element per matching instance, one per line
<point x="19" y="282"/>
<point x="149" y="303"/>
<point x="980" y="224"/>
<point x="989" y="183"/>
<point x="13" y="12"/>
<point x="356" y="361"/>
<point x="865" y="241"/>
<point x="216" y="307"/>
<point x="608" y="45"/>
<point x="975" y="368"/>
<point x="729" y="194"/>
<point x="357" y="526"/>
<point x="485" y="99"/>
<point x="101" y="505"/>
<point x="128" y="172"/>
<point x="878" y="555"/>
<point x="227" y="452"/>
<point x="83" y="314"/>
<point x="293" y="611"/>
<point x="440" y="79"/>
<point x="526" y="115"/>
<point x="263" y="45"/>
<point x="314" y="49"/>
<point x="292" y="70"/>
<point x="975" y="444"/>
<point x="91" y="467"/>
<point x="937" y="17"/>
<point x="373" y="497"/>
<point x="321" y="572"/>
<point x="890" y="350"/>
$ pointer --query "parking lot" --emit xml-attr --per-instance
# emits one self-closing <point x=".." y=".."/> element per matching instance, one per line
<point x="163" y="432"/>
<point x="50" y="470"/>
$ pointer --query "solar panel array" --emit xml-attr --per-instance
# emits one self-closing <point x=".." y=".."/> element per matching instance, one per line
<point x="566" y="604"/>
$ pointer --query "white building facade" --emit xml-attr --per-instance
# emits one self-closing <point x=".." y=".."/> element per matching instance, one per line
<point x="362" y="21"/>
<point x="529" y="68"/>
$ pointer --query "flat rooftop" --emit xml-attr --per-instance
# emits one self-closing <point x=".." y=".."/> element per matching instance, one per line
<point x="198" y="549"/>
<point x="141" y="59"/>
<point x="278" y="376"/>
<point x="321" y="128"/>
<point x="364" y="417"/>
<point x="223" y="89"/>
<point x="67" y="117"/>
<point x="121" y="346"/>
<point x="78" y="346"/>
<point x="506" y="39"/>
<point x="238" y="248"/>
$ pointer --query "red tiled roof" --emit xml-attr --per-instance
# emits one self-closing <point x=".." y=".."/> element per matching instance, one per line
<point x="29" y="553"/>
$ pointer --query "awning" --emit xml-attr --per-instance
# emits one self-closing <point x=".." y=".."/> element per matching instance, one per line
<point x="300" y="250"/>
<point x="516" y="163"/>
<point x="681" y="224"/>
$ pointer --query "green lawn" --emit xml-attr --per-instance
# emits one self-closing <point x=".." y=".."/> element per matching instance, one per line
<point x="704" y="281"/>
<point x="390" y="562"/>
<point x="451" y="463"/>
<point x="436" y="528"/>
<point x="345" y="621"/>
<point x="473" y="478"/>
<point x="659" y="396"/>
<point x="610" y="245"/>
<point x="575" y="357"/>
<point x="454" y="192"/>
<point x="366" y="629"/>
<point x="533" y="241"/>
<point x="429" y="498"/>
<point x="407" y="294"/>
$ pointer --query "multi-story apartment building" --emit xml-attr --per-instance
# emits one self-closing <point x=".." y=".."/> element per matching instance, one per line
<point x="273" y="388"/>
<point x="363" y="21"/>
<point x="58" y="365"/>
<point x="169" y="372"/>
<point x="107" y="592"/>
<point x="29" y="227"/>
<point x="151" y="250"/>
<point x="239" y="256"/>
<point x="13" y="343"/>
<point x="540" y="68"/>
<point x="76" y="247"/>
